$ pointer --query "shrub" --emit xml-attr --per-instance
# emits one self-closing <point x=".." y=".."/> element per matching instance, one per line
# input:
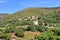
<point x="31" y="28"/>
<point x="4" y="37"/>
<point x="10" y="29"/>
<point x="41" y="28"/>
<point x="19" y="32"/>
<point x="49" y="35"/>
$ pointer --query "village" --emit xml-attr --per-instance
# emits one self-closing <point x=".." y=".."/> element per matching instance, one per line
<point x="35" y="21"/>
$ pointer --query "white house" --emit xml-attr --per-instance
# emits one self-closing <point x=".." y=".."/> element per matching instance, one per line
<point x="19" y="19"/>
<point x="26" y="19"/>
<point x="35" y="22"/>
<point x="33" y="17"/>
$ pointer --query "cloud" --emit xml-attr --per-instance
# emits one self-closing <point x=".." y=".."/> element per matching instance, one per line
<point x="1" y="1"/>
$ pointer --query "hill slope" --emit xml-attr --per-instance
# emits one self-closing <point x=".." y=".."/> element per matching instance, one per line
<point x="32" y="11"/>
<point x="2" y="16"/>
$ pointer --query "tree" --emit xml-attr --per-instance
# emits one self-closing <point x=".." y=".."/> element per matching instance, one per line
<point x="31" y="28"/>
<point x="50" y="34"/>
<point x="19" y="32"/>
<point x="4" y="37"/>
<point x="10" y="29"/>
<point x="41" y="28"/>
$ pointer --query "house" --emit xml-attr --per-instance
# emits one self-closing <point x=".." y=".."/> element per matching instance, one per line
<point x="44" y="24"/>
<point x="36" y="22"/>
<point x="50" y="26"/>
<point x="33" y="17"/>
<point x="19" y="19"/>
<point x="26" y="19"/>
<point x="47" y="25"/>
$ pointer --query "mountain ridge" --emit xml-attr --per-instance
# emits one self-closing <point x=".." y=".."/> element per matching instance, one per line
<point x="32" y="12"/>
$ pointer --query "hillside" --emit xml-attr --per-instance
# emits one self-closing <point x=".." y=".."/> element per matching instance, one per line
<point x="32" y="12"/>
<point x="31" y="24"/>
<point x="2" y="16"/>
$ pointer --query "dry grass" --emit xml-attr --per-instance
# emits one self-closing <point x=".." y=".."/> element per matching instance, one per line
<point x="24" y="26"/>
<point x="28" y="35"/>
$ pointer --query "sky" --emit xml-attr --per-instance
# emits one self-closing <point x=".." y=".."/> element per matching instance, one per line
<point x="11" y="6"/>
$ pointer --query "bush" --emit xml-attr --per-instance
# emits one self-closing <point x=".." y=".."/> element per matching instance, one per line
<point x="41" y="28"/>
<point x="19" y="32"/>
<point x="4" y="37"/>
<point x="10" y="29"/>
<point x="55" y="30"/>
<point x="49" y="35"/>
<point x="31" y="28"/>
<point x="46" y="36"/>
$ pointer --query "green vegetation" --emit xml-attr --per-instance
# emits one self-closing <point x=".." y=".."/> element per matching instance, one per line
<point x="5" y="36"/>
<point x="50" y="34"/>
<point x="43" y="20"/>
<point x="20" y="32"/>
<point x="37" y="28"/>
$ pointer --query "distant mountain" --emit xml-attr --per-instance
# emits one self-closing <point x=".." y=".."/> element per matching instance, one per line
<point x="2" y="16"/>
